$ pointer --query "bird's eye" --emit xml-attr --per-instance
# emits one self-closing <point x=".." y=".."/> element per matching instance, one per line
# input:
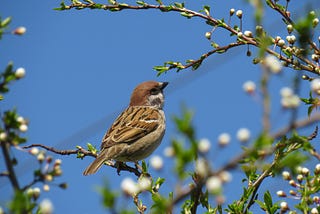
<point x="154" y="91"/>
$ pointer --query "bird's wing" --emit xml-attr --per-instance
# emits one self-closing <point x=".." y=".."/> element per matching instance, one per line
<point x="132" y="124"/>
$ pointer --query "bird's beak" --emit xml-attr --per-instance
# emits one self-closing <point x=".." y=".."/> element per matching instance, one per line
<point x="163" y="85"/>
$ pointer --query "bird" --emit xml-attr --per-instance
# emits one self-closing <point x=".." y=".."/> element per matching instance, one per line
<point x="137" y="131"/>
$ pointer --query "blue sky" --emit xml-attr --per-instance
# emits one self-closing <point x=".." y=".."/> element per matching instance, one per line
<point x="82" y="66"/>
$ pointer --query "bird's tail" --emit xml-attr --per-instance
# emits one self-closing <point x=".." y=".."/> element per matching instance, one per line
<point x="96" y="164"/>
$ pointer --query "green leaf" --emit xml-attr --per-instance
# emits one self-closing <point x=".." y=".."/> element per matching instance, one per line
<point x="179" y="5"/>
<point x="5" y="22"/>
<point x="91" y="148"/>
<point x="144" y="167"/>
<point x="161" y="69"/>
<point x="187" y="14"/>
<point x="142" y="3"/>
<point x="206" y="10"/>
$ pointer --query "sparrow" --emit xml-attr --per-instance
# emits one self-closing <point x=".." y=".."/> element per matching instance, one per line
<point x="137" y="131"/>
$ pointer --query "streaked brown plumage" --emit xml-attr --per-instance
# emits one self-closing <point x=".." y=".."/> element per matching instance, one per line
<point x="137" y="131"/>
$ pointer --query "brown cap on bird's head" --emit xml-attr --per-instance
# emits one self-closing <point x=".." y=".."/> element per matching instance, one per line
<point x="148" y="93"/>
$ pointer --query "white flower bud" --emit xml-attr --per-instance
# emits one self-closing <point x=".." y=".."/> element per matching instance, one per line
<point x="129" y="187"/>
<point x="286" y="175"/>
<point x="48" y="177"/>
<point x="57" y="162"/>
<point x="239" y="14"/>
<point x="248" y="33"/>
<point x="314" y="211"/>
<point x="156" y="162"/>
<point x="34" y="151"/>
<point x="23" y="127"/>
<point x="315" y="57"/>
<point x="281" y="43"/>
<point x="273" y="64"/>
<point x="225" y="176"/>
<point x="214" y="184"/>
<point x="300" y="178"/>
<point x="201" y="167"/>
<point x="46" y="188"/>
<point x="317" y="168"/>
<point x="240" y="34"/>
<point x="293" y="193"/>
<point x="46" y="207"/>
<point x="169" y="152"/>
<point x="208" y="35"/>
<point x="249" y="87"/>
<point x="20" y="119"/>
<point x="281" y="193"/>
<point x="286" y="92"/>
<point x="292" y="101"/>
<point x="40" y="157"/>
<point x="316" y="199"/>
<point x="315" y="85"/>
<point x="243" y="135"/>
<point x="20" y="73"/>
<point x="3" y="136"/>
<point x="305" y="171"/>
<point x="315" y="22"/>
<point x="289" y="28"/>
<point x="144" y="184"/>
<point x="292" y="183"/>
<point x="231" y="12"/>
<point x="204" y="145"/>
<point x="36" y="192"/>
<point x="224" y="139"/>
<point x="284" y="206"/>
<point x="20" y="31"/>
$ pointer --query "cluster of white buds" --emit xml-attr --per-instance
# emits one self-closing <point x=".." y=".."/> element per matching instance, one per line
<point x="23" y="127"/>
<point x="289" y="100"/>
<point x="273" y="64"/>
<point x="291" y="39"/>
<point x="279" y="41"/>
<point x="33" y="193"/>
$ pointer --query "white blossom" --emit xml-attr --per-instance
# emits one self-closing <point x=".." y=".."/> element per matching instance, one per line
<point x="20" y="73"/>
<point x="129" y="187"/>
<point x="204" y="145"/>
<point x="224" y="139"/>
<point x="156" y="162"/>
<point x="46" y="206"/>
<point x="273" y="64"/>
<point x="243" y="135"/>
<point x="214" y="184"/>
